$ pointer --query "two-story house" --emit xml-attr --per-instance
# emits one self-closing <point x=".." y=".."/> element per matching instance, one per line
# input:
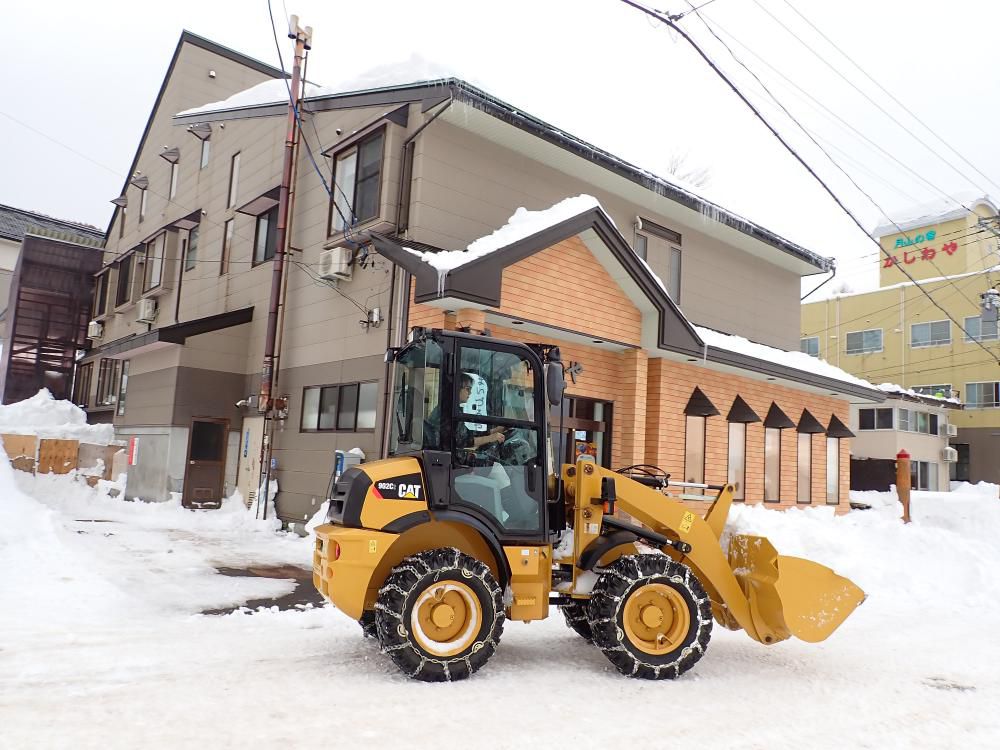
<point x="182" y="300"/>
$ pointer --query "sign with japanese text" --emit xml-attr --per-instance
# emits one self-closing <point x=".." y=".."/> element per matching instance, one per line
<point x="919" y="253"/>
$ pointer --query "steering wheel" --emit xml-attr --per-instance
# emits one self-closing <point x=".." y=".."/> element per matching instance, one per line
<point x="515" y="450"/>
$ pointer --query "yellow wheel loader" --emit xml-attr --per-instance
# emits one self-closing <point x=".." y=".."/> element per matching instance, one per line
<point x="468" y="524"/>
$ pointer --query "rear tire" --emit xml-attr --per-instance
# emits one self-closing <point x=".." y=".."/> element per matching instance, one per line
<point x="367" y="623"/>
<point x="650" y="616"/>
<point x="439" y="615"/>
<point x="577" y="619"/>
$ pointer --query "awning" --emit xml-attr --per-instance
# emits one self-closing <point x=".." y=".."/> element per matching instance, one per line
<point x="261" y="204"/>
<point x="177" y="333"/>
<point x="809" y="424"/>
<point x="777" y="419"/>
<point x="838" y="429"/>
<point x="740" y="412"/>
<point x="190" y="221"/>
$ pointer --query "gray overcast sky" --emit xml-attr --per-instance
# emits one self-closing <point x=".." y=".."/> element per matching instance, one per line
<point x="86" y="75"/>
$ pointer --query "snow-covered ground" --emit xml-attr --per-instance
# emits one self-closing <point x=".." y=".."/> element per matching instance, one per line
<point x="102" y="644"/>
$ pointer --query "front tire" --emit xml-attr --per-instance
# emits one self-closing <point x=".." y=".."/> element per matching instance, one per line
<point x="650" y="616"/>
<point x="439" y="615"/>
<point x="577" y="619"/>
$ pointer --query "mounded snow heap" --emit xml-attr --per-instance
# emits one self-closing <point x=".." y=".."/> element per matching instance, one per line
<point x="44" y="416"/>
<point x="894" y="388"/>
<point x="523" y="223"/>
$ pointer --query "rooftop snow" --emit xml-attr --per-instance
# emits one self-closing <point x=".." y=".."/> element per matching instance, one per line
<point x="900" y="390"/>
<point x="932" y="212"/>
<point x="794" y="360"/>
<point x="523" y="223"/>
<point x="414" y="70"/>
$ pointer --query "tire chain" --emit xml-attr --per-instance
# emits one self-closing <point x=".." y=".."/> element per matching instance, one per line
<point x="428" y="560"/>
<point x="604" y="601"/>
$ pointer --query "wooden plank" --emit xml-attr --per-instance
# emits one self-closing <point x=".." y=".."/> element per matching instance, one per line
<point x="57" y="456"/>
<point x="89" y="457"/>
<point x="20" y="449"/>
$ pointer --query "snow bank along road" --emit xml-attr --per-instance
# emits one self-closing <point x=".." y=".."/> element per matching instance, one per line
<point x="101" y="644"/>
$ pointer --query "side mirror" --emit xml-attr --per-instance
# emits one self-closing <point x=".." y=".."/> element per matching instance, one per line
<point x="555" y="383"/>
<point x="390" y="354"/>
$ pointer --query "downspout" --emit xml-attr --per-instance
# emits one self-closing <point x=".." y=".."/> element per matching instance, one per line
<point x="404" y="296"/>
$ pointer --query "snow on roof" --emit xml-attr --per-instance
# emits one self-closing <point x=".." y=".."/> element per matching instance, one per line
<point x="893" y="388"/>
<point x="921" y="282"/>
<point x="523" y="223"/>
<point x="414" y="70"/>
<point x="932" y="212"/>
<point x="44" y="416"/>
<point x="794" y="360"/>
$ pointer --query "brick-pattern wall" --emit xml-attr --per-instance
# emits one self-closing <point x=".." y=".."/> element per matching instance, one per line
<point x="669" y="387"/>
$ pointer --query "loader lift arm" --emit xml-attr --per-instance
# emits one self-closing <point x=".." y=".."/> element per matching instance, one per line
<point x="770" y="596"/>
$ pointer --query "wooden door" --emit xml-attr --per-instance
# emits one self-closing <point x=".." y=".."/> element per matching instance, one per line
<point x="206" y="463"/>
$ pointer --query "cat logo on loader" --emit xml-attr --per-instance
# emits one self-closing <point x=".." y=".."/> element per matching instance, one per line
<point x="479" y="533"/>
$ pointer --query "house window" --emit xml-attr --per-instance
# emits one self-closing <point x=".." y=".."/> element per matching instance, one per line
<point x="772" y="464"/>
<point x="923" y="475"/>
<point x="357" y="178"/>
<point x="227" y="245"/>
<point x="124" y="292"/>
<point x="108" y="372"/>
<point x="980" y="395"/>
<point x="942" y="390"/>
<point x="155" y="251"/>
<point x="173" y="179"/>
<point x="206" y="149"/>
<point x="737" y="459"/>
<point x="864" y="342"/>
<point x="122" y="386"/>
<point x="804" y="469"/>
<point x="832" y="471"/>
<point x="977" y="330"/>
<point x="349" y="407"/>
<point x="875" y="419"/>
<point x="121" y="222"/>
<point x="694" y="450"/>
<point x="809" y="345"/>
<point x="640" y="245"/>
<point x="960" y="469"/>
<point x="142" y="204"/>
<point x="101" y="294"/>
<point x="674" y="280"/>
<point x="81" y="388"/>
<point x="935" y="333"/>
<point x="265" y="239"/>
<point x="191" y="256"/>
<point x="234" y="179"/>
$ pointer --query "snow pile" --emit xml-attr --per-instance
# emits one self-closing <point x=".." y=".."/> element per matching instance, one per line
<point x="932" y="212"/>
<point x="796" y="360"/>
<point x="44" y="416"/>
<point x="982" y="489"/>
<point x="274" y="91"/>
<point x="523" y="223"/>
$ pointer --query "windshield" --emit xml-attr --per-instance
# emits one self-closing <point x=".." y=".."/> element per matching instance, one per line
<point x="416" y="393"/>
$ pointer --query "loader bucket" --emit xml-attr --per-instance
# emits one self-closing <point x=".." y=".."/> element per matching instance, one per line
<point x="789" y="596"/>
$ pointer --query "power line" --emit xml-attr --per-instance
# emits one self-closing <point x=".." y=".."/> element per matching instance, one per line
<point x="867" y="97"/>
<point x="794" y="153"/>
<point x="900" y="104"/>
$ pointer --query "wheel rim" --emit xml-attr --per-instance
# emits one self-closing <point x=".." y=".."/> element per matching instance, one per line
<point x="446" y="618"/>
<point x="656" y="618"/>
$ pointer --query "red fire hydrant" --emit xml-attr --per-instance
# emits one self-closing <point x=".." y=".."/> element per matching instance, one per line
<point x="903" y="482"/>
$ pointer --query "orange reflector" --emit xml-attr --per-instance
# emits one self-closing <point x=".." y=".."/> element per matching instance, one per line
<point x="335" y="551"/>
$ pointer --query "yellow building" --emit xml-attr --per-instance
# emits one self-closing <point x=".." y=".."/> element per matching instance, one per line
<point x="896" y="334"/>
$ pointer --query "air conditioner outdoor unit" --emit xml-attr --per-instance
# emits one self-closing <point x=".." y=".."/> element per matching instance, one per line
<point x="146" y="311"/>
<point x="951" y="430"/>
<point x="95" y="329"/>
<point x="949" y="455"/>
<point x="335" y="263"/>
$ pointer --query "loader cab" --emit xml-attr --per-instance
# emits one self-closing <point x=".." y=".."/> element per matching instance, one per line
<point x="474" y="409"/>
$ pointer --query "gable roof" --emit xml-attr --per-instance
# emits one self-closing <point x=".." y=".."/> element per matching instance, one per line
<point x="455" y="90"/>
<point x="477" y="283"/>
<point x="188" y="37"/>
<point x="16" y="222"/>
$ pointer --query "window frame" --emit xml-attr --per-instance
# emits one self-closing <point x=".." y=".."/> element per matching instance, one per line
<point x="863" y="350"/>
<point x="271" y="217"/>
<point x="877" y="412"/>
<point x="148" y="265"/>
<point x="693" y="456"/>
<point x="803" y="469"/>
<point x="234" y="180"/>
<point x="355" y="146"/>
<point x="102" y="288"/>
<point x="931" y="389"/>
<point x="227" y="246"/>
<point x="337" y="387"/>
<point x="641" y="245"/>
<point x="191" y="249"/>
<point x="968" y="339"/>
<point x="979" y="405"/>
<point x="127" y="261"/>
<point x="772" y="465"/>
<point x="143" y="205"/>
<point x="737" y="475"/>
<point x="123" y="212"/>
<point x="832" y="459"/>
<point x="804" y="339"/>
<point x="930" y="331"/>
<point x="206" y="151"/>
<point x="84" y="379"/>
<point x="108" y="374"/>
<point x="174" y="176"/>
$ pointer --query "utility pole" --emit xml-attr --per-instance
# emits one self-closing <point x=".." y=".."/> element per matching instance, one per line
<point x="266" y="400"/>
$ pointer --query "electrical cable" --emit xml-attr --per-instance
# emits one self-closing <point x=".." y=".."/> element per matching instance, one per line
<point x="789" y="148"/>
